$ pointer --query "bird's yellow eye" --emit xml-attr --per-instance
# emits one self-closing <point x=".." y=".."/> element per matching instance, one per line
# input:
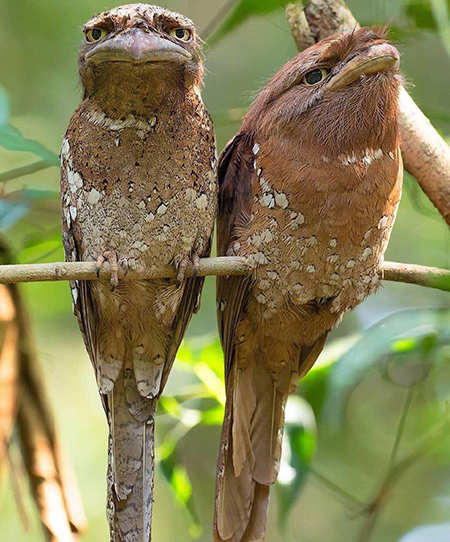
<point x="315" y="76"/>
<point x="182" y="34"/>
<point x="96" y="34"/>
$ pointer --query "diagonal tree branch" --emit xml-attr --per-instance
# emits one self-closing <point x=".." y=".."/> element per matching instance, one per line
<point x="432" y="439"/>
<point x="425" y="154"/>
<point x="24" y="170"/>
<point x="223" y="11"/>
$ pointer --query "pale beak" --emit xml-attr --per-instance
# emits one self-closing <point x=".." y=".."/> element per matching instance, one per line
<point x="137" y="46"/>
<point x="378" y="58"/>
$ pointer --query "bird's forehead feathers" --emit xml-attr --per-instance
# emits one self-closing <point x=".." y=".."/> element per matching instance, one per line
<point x="339" y="47"/>
<point x="129" y="14"/>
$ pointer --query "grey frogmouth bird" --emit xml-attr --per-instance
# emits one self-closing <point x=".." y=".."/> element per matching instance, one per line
<point x="138" y="190"/>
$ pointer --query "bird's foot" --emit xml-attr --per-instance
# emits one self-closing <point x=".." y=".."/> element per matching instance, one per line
<point x="182" y="264"/>
<point x="110" y="257"/>
<point x="123" y="263"/>
<point x="233" y="249"/>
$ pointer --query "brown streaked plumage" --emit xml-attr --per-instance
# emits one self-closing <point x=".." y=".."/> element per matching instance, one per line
<point x="308" y="192"/>
<point x="138" y="189"/>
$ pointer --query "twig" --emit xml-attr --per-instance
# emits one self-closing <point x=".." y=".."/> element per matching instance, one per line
<point x="24" y="170"/>
<point x="337" y="490"/>
<point x="426" y="155"/>
<point x="400" y="429"/>
<point x="17" y="490"/>
<point x="430" y="277"/>
<point x="46" y="255"/>
<point x="48" y="272"/>
<point x="373" y="512"/>
<point x="218" y="17"/>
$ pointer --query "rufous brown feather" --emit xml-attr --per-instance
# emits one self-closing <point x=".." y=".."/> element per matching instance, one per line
<point x="308" y="193"/>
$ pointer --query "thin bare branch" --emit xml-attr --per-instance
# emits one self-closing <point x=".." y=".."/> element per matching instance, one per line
<point x="299" y="26"/>
<point x="24" y="170"/>
<point x="48" y="272"/>
<point x="218" y="17"/>
<point x="400" y="429"/>
<point x="420" y="275"/>
<point x="337" y="490"/>
<point x="428" y="445"/>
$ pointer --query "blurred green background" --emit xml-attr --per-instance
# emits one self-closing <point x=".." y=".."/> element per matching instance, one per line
<point x="377" y="403"/>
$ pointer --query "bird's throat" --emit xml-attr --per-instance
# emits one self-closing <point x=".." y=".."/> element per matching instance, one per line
<point x="120" y="90"/>
<point x="120" y="101"/>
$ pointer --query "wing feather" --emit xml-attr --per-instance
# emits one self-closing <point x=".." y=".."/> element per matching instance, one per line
<point x="189" y="304"/>
<point x="236" y="174"/>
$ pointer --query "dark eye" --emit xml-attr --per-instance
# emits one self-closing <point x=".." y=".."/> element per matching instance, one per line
<point x="182" y="34"/>
<point x="315" y="76"/>
<point x="96" y="34"/>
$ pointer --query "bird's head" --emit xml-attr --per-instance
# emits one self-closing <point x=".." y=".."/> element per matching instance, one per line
<point x="137" y="45"/>
<point x="340" y="92"/>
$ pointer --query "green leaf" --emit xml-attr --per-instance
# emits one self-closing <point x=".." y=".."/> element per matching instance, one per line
<point x="313" y="387"/>
<point x="441" y="14"/>
<point x="410" y="365"/>
<point x="4" y="107"/>
<point x="181" y="484"/>
<point x="431" y="15"/>
<point x="169" y="405"/>
<point x="403" y="347"/>
<point x="240" y="11"/>
<point x="178" y="479"/>
<point x="420" y="14"/>
<point x="211" y="381"/>
<point x="430" y="343"/>
<point x="213" y="416"/>
<point x="40" y="237"/>
<point x="12" y="140"/>
<point x="203" y="348"/>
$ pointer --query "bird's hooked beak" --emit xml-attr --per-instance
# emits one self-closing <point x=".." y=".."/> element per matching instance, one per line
<point x="137" y="46"/>
<point x="375" y="59"/>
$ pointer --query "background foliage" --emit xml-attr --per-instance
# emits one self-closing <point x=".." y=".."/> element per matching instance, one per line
<point x="367" y="448"/>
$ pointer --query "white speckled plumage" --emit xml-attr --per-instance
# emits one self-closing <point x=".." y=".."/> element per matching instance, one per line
<point x="138" y="188"/>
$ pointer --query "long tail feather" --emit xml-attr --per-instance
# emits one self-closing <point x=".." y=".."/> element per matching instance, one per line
<point x="252" y="435"/>
<point x="131" y="462"/>
<point x="249" y="455"/>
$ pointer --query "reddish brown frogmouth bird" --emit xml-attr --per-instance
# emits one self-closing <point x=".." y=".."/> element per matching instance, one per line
<point x="308" y="193"/>
<point x="138" y="189"/>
